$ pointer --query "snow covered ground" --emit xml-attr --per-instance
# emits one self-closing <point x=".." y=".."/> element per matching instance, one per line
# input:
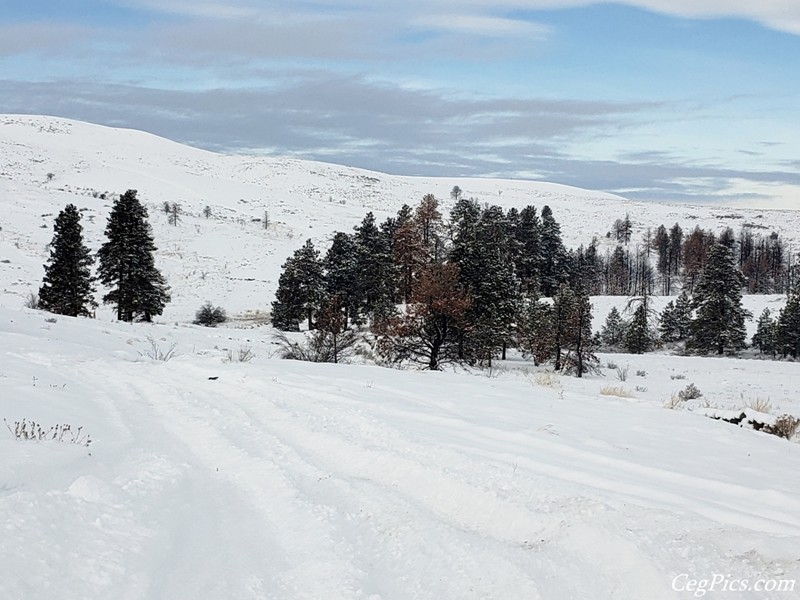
<point x="208" y="478"/>
<point x="290" y="480"/>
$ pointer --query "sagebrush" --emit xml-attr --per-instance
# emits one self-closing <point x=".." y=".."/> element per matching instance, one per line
<point x="32" y="431"/>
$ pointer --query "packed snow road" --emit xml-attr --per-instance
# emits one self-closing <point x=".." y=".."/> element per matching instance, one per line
<point x="287" y="480"/>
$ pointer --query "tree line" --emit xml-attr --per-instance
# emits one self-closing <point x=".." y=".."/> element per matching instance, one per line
<point x="485" y="279"/>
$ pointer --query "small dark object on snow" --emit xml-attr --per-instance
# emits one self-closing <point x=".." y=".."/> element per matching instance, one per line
<point x="214" y="378"/>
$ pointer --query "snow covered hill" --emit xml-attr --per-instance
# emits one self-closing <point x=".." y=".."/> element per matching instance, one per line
<point x="229" y="258"/>
<point x="208" y="479"/>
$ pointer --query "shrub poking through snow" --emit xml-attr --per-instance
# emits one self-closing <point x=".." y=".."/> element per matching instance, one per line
<point x="785" y="426"/>
<point x="318" y="346"/>
<point x="209" y="315"/>
<point x="155" y="352"/>
<point x="32" y="431"/>
<point x="690" y="392"/>
<point x="32" y="301"/>
<point x="245" y="354"/>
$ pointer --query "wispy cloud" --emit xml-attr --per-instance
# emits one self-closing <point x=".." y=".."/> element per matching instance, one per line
<point x="483" y="25"/>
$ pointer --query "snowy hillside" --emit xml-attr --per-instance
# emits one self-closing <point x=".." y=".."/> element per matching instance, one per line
<point x="230" y="259"/>
<point x="284" y="480"/>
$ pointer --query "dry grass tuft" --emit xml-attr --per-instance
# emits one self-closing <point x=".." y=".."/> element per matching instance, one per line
<point x="674" y="403"/>
<point x="616" y="390"/>
<point x="547" y="380"/>
<point x="762" y="405"/>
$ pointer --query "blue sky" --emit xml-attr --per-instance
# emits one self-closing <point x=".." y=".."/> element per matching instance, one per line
<point x="654" y="99"/>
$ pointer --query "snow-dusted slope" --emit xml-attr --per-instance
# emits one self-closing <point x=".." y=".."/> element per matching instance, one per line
<point x="230" y="259"/>
<point x="283" y="480"/>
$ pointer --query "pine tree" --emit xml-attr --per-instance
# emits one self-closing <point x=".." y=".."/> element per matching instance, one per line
<point x="535" y="330"/>
<point x="311" y="288"/>
<point x="341" y="274"/>
<point x="301" y="289"/>
<point x="789" y="324"/>
<point x="287" y="308"/>
<point x="579" y="342"/>
<point x="563" y="302"/>
<point x="487" y="273"/>
<point x="612" y="335"/>
<point x="683" y="315"/>
<point x="375" y="267"/>
<point x="554" y="268"/>
<point x="719" y="321"/>
<point x="766" y="336"/>
<point x="667" y="324"/>
<point x="127" y="265"/>
<point x="529" y="257"/>
<point x="639" y="336"/>
<point x="67" y="288"/>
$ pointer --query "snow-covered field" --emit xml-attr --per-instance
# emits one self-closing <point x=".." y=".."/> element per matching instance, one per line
<point x="289" y="480"/>
<point x="270" y="479"/>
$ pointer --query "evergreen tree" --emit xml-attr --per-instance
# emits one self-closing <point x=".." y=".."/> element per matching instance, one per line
<point x="639" y="336"/>
<point x="67" y="288"/>
<point x="301" y="289"/>
<point x="579" y="342"/>
<point x="342" y="276"/>
<point x="612" y="335"/>
<point x="535" y="329"/>
<point x="554" y="268"/>
<point x="789" y="324"/>
<point x="683" y="315"/>
<point x="311" y="289"/>
<point x="563" y="303"/>
<point x="487" y="273"/>
<point x="127" y="265"/>
<point x="719" y="321"/>
<point x="287" y="308"/>
<point x="667" y="324"/>
<point x="529" y="256"/>
<point x="375" y="267"/>
<point x="766" y="336"/>
<point x="676" y="318"/>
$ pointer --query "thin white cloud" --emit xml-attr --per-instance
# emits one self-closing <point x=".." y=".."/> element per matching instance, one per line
<point x="483" y="25"/>
<point x="483" y="17"/>
<point x="783" y="15"/>
<point x="200" y="8"/>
